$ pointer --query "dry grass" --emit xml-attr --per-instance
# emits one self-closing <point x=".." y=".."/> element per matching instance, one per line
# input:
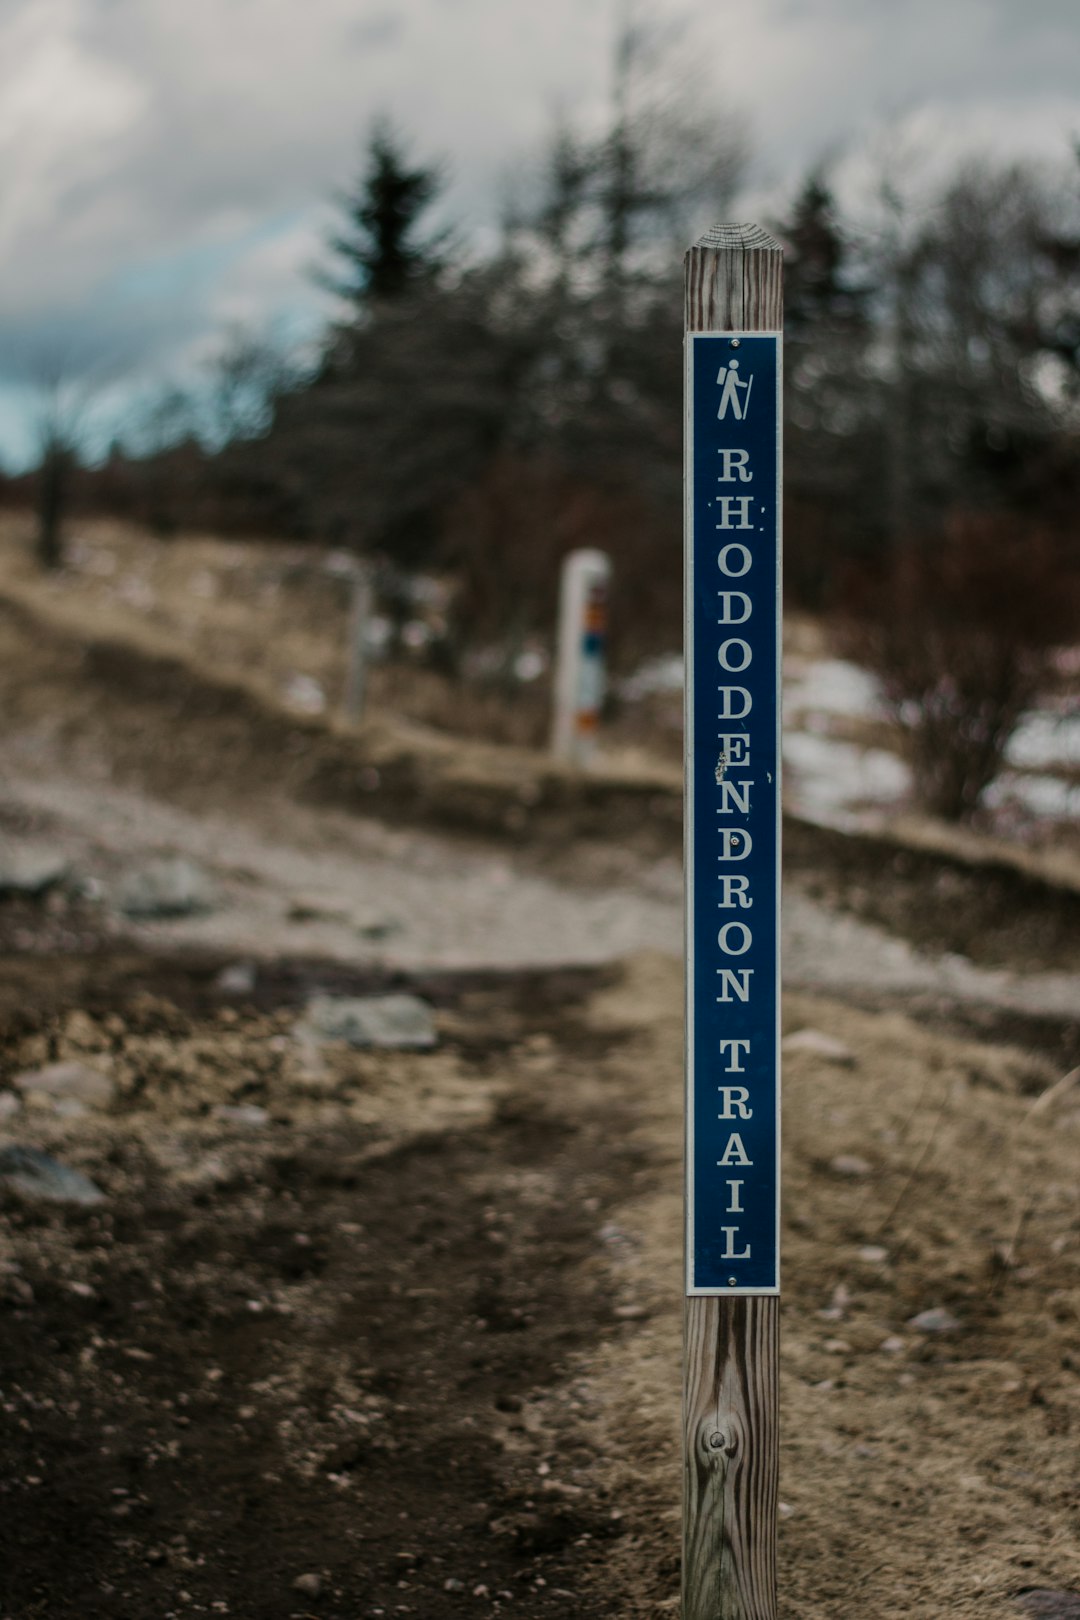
<point x="936" y="1476"/>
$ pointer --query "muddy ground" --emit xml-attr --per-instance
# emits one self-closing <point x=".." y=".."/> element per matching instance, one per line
<point x="315" y="1346"/>
<point x="419" y="1326"/>
<point x="357" y="1334"/>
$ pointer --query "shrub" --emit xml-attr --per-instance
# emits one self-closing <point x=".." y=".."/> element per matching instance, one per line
<point x="961" y="629"/>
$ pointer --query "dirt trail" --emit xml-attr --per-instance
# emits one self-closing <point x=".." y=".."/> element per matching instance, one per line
<point x="415" y="1335"/>
<point x="403" y="1328"/>
<point x="293" y="880"/>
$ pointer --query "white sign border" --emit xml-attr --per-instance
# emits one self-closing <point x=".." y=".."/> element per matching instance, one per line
<point x="691" y="339"/>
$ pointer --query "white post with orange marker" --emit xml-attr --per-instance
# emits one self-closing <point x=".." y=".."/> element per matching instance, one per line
<point x="580" y="655"/>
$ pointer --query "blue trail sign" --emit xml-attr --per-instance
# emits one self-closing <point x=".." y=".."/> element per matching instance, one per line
<point x="733" y="790"/>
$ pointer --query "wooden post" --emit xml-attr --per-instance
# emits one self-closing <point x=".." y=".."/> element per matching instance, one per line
<point x="734" y="295"/>
<point x="579" y="655"/>
<point x="356" y="652"/>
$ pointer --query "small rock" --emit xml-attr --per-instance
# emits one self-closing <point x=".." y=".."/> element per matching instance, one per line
<point x="873" y="1255"/>
<point x="70" y="1108"/>
<point x="394" y="1021"/>
<point x="849" y="1164"/>
<point x="167" y="887"/>
<point x="238" y="979"/>
<point x="818" y="1044"/>
<point x="313" y="911"/>
<point x="1045" y="1604"/>
<point x="892" y="1346"/>
<point x="9" y="1104"/>
<point x="303" y="692"/>
<point x="937" y="1320"/>
<point x="836" y="1347"/>
<point x="15" y="1290"/>
<point x="610" y="1233"/>
<point x="76" y="1081"/>
<point x="83" y="1033"/>
<point x="838" y="1305"/>
<point x="242" y="1114"/>
<point x="30" y="872"/>
<point x="33" y="1174"/>
<point x="378" y="928"/>
<point x="630" y="1313"/>
<point x="310" y="1584"/>
<point x="452" y="1584"/>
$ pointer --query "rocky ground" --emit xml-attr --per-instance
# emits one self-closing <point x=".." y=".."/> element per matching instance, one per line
<point x="347" y="1331"/>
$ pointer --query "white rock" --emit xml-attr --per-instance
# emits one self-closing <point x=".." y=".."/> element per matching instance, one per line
<point x="304" y="692"/>
<point x="384" y="1021"/>
<point x="35" y="1175"/>
<point x="936" y="1320"/>
<point x="30" y="870"/>
<point x="70" y="1108"/>
<point x="241" y="1113"/>
<point x="238" y="979"/>
<point x="76" y="1082"/>
<point x="167" y="887"/>
<point x="849" y="1164"/>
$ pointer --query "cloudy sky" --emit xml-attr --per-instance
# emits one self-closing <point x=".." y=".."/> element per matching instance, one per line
<point x="167" y="163"/>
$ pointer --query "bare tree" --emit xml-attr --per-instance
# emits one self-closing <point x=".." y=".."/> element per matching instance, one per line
<point x="245" y="378"/>
<point x="60" y="423"/>
<point x="669" y="152"/>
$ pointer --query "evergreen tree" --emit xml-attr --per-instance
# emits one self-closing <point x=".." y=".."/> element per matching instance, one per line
<point x="380" y="248"/>
<point x="819" y="283"/>
<point x="832" y="438"/>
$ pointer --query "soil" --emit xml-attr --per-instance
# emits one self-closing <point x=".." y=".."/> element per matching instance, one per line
<point x="318" y="1348"/>
<point x="364" y="1334"/>
<point x="421" y="1325"/>
<point x="988" y="908"/>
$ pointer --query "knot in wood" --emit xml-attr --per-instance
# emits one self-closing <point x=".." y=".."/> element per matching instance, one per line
<point x="718" y="1440"/>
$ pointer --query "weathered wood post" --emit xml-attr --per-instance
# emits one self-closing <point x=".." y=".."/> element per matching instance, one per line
<point x="734" y="317"/>
<point x="356" y="651"/>
<point x="580" y="655"/>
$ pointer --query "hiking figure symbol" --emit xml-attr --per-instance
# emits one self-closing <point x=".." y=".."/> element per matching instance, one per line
<point x="732" y="398"/>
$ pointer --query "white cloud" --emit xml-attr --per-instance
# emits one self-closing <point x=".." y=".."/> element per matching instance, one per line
<point x="169" y="161"/>
<point x="67" y="117"/>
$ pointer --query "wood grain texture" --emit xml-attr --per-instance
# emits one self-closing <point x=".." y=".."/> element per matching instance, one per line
<point x="734" y="282"/>
<point x="731" y="1458"/>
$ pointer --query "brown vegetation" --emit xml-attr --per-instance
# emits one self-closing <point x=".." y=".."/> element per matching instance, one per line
<point x="962" y="628"/>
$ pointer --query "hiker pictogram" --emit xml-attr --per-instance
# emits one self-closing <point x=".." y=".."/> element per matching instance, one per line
<point x="732" y="398"/>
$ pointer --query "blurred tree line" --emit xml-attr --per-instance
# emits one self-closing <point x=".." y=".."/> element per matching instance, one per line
<point x="932" y="457"/>
<point x="483" y="415"/>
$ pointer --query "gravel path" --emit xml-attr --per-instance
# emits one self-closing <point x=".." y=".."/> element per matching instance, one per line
<point x="295" y="880"/>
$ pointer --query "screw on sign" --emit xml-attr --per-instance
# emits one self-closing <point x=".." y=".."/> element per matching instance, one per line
<point x="734" y="316"/>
